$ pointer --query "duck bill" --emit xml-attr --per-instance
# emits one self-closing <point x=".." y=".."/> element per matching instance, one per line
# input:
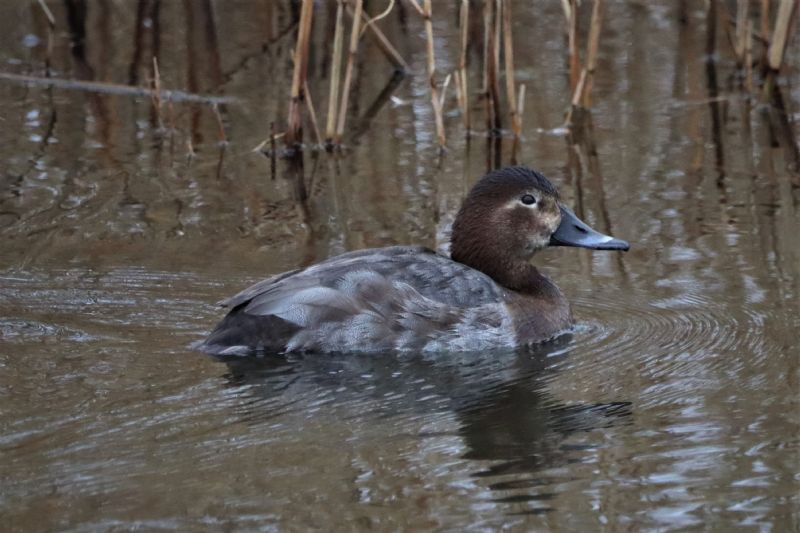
<point x="575" y="232"/>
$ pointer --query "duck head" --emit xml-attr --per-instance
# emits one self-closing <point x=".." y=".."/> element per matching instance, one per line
<point x="508" y="216"/>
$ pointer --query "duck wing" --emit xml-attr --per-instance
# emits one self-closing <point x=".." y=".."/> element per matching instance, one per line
<point x="366" y="299"/>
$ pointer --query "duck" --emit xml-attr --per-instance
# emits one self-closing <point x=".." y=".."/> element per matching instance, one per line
<point x="487" y="294"/>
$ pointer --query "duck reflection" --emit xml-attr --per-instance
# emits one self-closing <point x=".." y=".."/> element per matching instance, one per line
<point x="505" y="412"/>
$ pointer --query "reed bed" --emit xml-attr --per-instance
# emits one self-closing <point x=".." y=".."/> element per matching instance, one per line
<point x="758" y="33"/>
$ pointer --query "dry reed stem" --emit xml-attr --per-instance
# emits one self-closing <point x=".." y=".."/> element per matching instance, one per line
<point x="294" y="122"/>
<point x="741" y="30"/>
<point x="348" y="76"/>
<point x="459" y="96"/>
<point x="445" y="85"/>
<point x="508" y="43"/>
<point x="572" y="36"/>
<point x="712" y="14"/>
<point x="491" y="88"/>
<point x="370" y="21"/>
<point x="51" y="26"/>
<point x="47" y="13"/>
<point x="223" y="139"/>
<point x="576" y="98"/>
<point x="748" y="57"/>
<point x="781" y="33"/>
<point x="765" y="30"/>
<point x="336" y="72"/>
<point x="498" y="29"/>
<point x="462" y="84"/>
<point x="435" y="100"/>
<point x="521" y="103"/>
<point x="273" y="155"/>
<point x="565" y="5"/>
<point x="416" y="6"/>
<point x="312" y="114"/>
<point x="156" y="94"/>
<point x="383" y="43"/>
<point x="592" y="47"/>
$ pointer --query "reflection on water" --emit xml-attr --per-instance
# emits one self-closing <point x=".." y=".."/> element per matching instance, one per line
<point x="674" y="404"/>
<point x="503" y="411"/>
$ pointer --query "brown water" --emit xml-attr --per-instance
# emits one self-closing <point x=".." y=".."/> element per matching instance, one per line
<point x="674" y="405"/>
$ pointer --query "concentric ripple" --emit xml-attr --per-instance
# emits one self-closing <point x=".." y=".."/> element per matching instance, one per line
<point x="690" y="336"/>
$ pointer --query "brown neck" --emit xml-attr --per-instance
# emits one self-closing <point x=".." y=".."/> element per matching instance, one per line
<point x="511" y="272"/>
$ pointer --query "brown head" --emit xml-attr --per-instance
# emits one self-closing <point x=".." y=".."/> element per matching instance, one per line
<point x="508" y="216"/>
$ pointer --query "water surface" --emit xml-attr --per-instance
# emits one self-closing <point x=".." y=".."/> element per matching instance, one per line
<point x="673" y="404"/>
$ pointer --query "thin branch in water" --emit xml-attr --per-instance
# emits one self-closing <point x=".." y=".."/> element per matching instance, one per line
<point x="115" y="88"/>
<point x="312" y="114"/>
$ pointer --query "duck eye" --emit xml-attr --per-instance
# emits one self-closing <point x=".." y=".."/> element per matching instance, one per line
<point x="528" y="199"/>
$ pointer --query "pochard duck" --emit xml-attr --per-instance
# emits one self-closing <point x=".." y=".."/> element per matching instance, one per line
<point x="487" y="294"/>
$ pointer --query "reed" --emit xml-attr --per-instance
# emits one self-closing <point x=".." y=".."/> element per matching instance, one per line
<point x="748" y="57"/>
<point x="780" y="34"/>
<point x="294" y="132"/>
<point x="572" y="37"/>
<point x="336" y="73"/>
<point x="508" y="46"/>
<point x="312" y="114"/>
<point x="582" y="88"/>
<point x="765" y="16"/>
<point x="221" y="137"/>
<point x="51" y="27"/>
<point x="740" y="40"/>
<point x="354" y="35"/>
<point x="491" y="88"/>
<point x="426" y="12"/>
<point x="155" y="95"/>
<point x="711" y="30"/>
<point x="462" y="83"/>
<point x="383" y="43"/>
<point x="592" y="47"/>
<point x="272" y="150"/>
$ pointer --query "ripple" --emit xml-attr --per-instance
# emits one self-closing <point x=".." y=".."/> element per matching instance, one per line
<point x="691" y="324"/>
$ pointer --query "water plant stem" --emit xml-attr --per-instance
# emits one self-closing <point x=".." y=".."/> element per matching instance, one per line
<point x="348" y="76"/>
<point x="294" y="132"/>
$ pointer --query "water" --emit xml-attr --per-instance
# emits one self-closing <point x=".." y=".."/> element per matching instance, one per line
<point x="673" y="405"/>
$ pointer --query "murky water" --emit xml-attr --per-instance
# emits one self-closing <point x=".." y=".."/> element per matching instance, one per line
<point x="674" y="404"/>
